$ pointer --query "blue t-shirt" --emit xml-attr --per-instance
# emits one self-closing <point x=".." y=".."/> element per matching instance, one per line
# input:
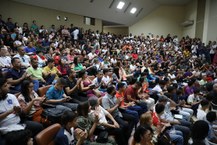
<point x="29" y="50"/>
<point x="55" y="94"/>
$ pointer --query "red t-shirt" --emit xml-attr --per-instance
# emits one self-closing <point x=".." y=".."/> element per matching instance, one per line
<point x="120" y="95"/>
<point x="130" y="92"/>
<point x="155" y="119"/>
<point x="135" y="56"/>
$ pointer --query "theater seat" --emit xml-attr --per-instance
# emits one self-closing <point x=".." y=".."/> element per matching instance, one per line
<point x="42" y="91"/>
<point x="46" y="136"/>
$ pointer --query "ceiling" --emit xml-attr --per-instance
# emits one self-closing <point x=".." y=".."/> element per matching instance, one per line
<point x="106" y="9"/>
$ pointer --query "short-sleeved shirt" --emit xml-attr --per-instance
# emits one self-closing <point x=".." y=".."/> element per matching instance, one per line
<point x="36" y="73"/>
<point x="63" y="137"/>
<point x="55" y="94"/>
<point x="5" y="61"/>
<point x="71" y="85"/>
<point x="30" y="50"/>
<point x="120" y="95"/>
<point x="155" y="119"/>
<point x="106" y="80"/>
<point x="78" y="67"/>
<point x="109" y="102"/>
<point x="130" y="92"/>
<point x="11" y="122"/>
<point x="15" y="74"/>
<point x="25" y="60"/>
<point x="52" y="70"/>
<point x="96" y="81"/>
<point x="102" y="114"/>
<point x="24" y="104"/>
<point x="201" y="114"/>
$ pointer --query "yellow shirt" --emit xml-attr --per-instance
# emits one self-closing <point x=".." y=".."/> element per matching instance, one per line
<point x="54" y="70"/>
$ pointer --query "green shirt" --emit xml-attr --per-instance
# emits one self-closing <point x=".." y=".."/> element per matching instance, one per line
<point x="36" y="73"/>
<point x="78" y="67"/>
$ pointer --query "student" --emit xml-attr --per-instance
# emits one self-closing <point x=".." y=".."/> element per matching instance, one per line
<point x="110" y="125"/>
<point x="200" y="131"/>
<point x="201" y="112"/>
<point x="106" y="80"/>
<point x="98" y="81"/>
<point x="211" y="118"/>
<point x="30" y="102"/>
<point x="143" y="135"/>
<point x="55" y="95"/>
<point x="22" y="137"/>
<point x="68" y="135"/>
<point x="9" y="113"/>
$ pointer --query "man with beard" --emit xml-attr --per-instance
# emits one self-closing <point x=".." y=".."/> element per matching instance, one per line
<point x="10" y="121"/>
<point x="16" y="75"/>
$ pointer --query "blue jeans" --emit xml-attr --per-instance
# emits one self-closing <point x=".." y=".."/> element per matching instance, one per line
<point x="35" y="85"/>
<point x="132" y="112"/>
<point x="38" y="83"/>
<point x="176" y="137"/>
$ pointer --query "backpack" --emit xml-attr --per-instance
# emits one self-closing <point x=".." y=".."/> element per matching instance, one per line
<point x="53" y="114"/>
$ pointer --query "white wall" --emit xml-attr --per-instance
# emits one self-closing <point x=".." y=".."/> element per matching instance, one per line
<point x="190" y="14"/>
<point x="25" y="13"/>
<point x="212" y="21"/>
<point x="162" y="21"/>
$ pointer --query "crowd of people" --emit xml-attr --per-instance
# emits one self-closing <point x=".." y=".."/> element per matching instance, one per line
<point x="136" y="90"/>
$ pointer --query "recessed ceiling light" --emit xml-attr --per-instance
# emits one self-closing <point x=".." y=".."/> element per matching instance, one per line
<point x="133" y="10"/>
<point x="120" y="5"/>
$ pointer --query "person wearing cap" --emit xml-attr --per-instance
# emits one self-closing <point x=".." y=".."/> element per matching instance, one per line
<point x="55" y="95"/>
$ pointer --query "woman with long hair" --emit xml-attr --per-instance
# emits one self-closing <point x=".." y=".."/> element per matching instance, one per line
<point x="63" y="67"/>
<point x="30" y="101"/>
<point x="77" y="65"/>
<point x="86" y="85"/>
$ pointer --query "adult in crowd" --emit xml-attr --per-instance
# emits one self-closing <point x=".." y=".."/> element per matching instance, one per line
<point x="69" y="134"/>
<point x="10" y="121"/>
<point x="16" y="75"/>
<point x="5" y="60"/>
<point x="55" y="95"/>
<point x="25" y="59"/>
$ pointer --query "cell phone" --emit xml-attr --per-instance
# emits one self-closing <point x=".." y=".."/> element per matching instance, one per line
<point x="92" y="86"/>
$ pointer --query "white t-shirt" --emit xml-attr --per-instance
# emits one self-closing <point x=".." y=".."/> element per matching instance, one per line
<point x="25" y="60"/>
<point x="5" y="61"/>
<point x="132" y="67"/>
<point x="113" y="61"/>
<point x="106" y="79"/>
<point x="157" y="88"/>
<point x="201" y="115"/>
<point x="91" y="55"/>
<point x="70" y="137"/>
<point x="10" y="123"/>
<point x="192" y="98"/>
<point x="75" y="34"/>
<point x="102" y="114"/>
<point x="95" y="81"/>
